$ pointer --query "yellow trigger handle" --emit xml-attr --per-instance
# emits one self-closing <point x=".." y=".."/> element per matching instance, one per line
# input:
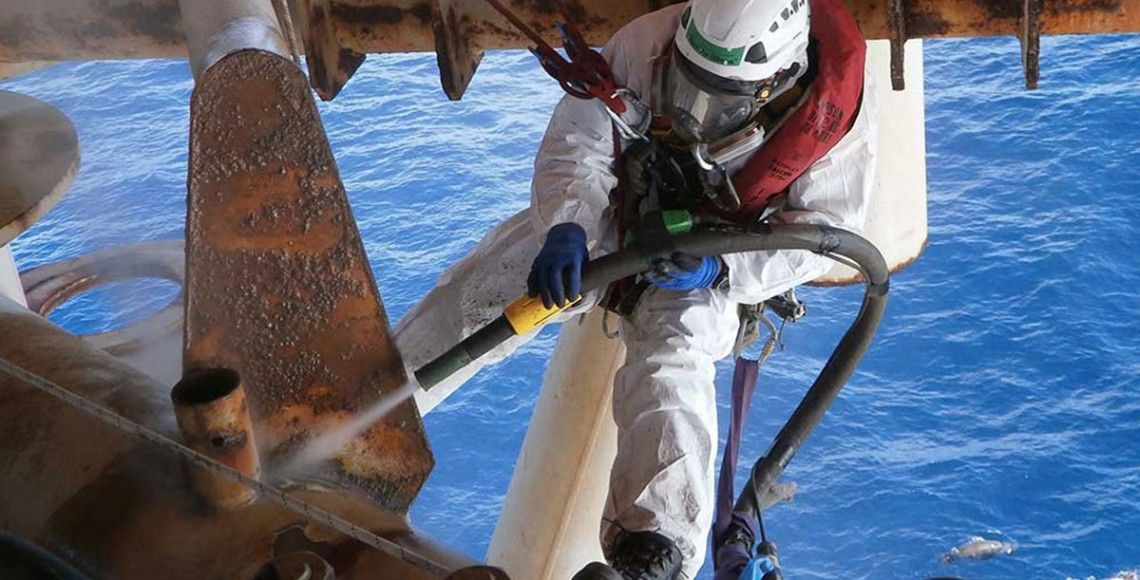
<point x="527" y="314"/>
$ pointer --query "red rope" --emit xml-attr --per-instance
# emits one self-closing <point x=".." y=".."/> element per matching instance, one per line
<point x="586" y="75"/>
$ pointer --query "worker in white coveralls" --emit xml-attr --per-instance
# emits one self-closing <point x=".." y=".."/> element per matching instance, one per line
<point x="715" y="70"/>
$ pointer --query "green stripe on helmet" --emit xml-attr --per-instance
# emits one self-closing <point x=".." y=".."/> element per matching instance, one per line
<point x="717" y="54"/>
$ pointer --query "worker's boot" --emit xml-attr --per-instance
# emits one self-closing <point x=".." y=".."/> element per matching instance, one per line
<point x="637" y="556"/>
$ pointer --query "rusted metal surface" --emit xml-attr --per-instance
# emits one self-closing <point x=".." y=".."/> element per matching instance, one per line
<point x="39" y="155"/>
<point x="152" y="28"/>
<point x="330" y="64"/>
<point x="209" y="405"/>
<point x="120" y="509"/>
<point x="896" y="21"/>
<point x="338" y="33"/>
<point x="457" y="51"/>
<point x="404" y="25"/>
<point x="1030" y="37"/>
<point x="278" y="285"/>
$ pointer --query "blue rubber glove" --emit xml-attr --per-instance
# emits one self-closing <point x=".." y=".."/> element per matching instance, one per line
<point x="684" y="272"/>
<point x="556" y="273"/>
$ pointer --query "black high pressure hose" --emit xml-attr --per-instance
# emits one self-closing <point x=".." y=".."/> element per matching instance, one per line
<point x="838" y="244"/>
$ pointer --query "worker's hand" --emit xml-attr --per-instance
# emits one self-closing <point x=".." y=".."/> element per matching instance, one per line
<point x="556" y="274"/>
<point x="684" y="272"/>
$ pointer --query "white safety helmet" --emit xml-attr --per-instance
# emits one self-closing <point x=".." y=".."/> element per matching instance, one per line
<point x="732" y="56"/>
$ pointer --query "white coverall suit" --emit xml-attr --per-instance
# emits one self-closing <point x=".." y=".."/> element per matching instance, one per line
<point x="664" y="399"/>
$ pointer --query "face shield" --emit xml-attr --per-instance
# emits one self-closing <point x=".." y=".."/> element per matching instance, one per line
<point x="705" y="109"/>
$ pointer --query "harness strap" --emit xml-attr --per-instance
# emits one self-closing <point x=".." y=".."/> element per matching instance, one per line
<point x="730" y="555"/>
<point x="744" y="378"/>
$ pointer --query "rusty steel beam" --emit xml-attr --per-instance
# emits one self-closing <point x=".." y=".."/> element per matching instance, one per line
<point x="330" y="64"/>
<point x="278" y="284"/>
<point x="152" y="28"/>
<point x="1029" y="34"/>
<point x="896" y="22"/>
<point x="369" y="26"/>
<point x="338" y="33"/>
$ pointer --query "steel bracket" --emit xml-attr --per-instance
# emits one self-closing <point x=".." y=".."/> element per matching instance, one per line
<point x="896" y="23"/>
<point x="330" y="63"/>
<point x="1029" y="33"/>
<point x="455" y="51"/>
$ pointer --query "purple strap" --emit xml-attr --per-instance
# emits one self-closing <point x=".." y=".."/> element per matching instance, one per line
<point x="743" y="385"/>
<point x="731" y="559"/>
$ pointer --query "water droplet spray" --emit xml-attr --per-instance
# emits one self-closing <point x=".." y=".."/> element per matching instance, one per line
<point x="329" y="444"/>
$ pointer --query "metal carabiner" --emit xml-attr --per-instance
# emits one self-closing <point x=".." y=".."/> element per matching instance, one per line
<point x="624" y="128"/>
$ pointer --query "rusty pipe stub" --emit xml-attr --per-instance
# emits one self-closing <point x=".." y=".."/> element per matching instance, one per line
<point x="214" y="420"/>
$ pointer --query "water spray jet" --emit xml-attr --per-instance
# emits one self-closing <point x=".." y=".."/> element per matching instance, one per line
<point x="332" y="442"/>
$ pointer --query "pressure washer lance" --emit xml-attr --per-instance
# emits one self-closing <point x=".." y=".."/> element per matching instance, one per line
<point x="526" y="314"/>
<point x="312" y="512"/>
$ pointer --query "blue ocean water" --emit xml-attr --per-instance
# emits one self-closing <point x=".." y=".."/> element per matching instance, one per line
<point x="1000" y="399"/>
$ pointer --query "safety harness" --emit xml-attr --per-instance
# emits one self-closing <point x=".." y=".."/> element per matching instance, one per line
<point x="823" y="115"/>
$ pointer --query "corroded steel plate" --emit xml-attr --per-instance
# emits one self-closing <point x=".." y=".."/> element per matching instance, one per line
<point x="278" y="285"/>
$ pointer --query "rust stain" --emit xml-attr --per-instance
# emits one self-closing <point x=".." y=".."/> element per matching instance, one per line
<point x="578" y="13"/>
<point x="1012" y="9"/>
<point x="138" y="518"/>
<point x="1077" y="6"/>
<point x="330" y="64"/>
<point x="115" y="31"/>
<point x="921" y="23"/>
<point x="347" y="62"/>
<point x="316" y="44"/>
<point x="456" y="55"/>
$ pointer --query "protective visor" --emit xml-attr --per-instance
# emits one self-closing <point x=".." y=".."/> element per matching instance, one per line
<point x="706" y="109"/>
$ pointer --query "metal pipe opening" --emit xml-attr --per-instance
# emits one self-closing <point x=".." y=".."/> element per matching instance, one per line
<point x="214" y="420"/>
